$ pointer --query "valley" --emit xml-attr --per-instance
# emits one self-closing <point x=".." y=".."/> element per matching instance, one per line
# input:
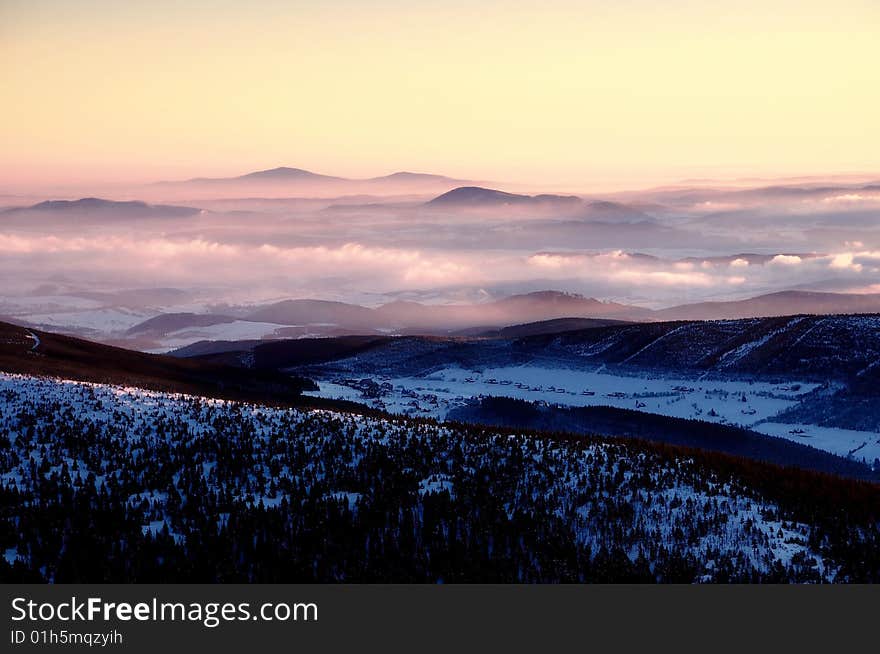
<point x="796" y="378"/>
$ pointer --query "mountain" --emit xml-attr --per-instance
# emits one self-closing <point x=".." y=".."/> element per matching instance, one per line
<point x="553" y="326"/>
<point x="438" y="319"/>
<point x="471" y="197"/>
<point x="566" y="304"/>
<point x="804" y="348"/>
<point x="288" y="182"/>
<point x="96" y="207"/>
<point x="800" y="346"/>
<point x="315" y="312"/>
<point x="283" y="173"/>
<point x="475" y="195"/>
<point x="783" y="303"/>
<point x="303" y="319"/>
<point x="570" y="206"/>
<point x="520" y="309"/>
<point x="279" y="174"/>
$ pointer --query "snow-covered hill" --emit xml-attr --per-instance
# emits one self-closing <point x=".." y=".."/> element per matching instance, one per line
<point x="110" y="483"/>
<point x="810" y="379"/>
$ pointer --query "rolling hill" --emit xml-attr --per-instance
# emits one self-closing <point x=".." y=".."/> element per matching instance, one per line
<point x="40" y="353"/>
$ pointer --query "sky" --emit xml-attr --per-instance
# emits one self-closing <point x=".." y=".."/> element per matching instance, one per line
<point x="557" y="93"/>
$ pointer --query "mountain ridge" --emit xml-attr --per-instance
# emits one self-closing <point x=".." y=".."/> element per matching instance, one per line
<point x="478" y="196"/>
<point x="778" y="303"/>
<point x="287" y="182"/>
<point x="93" y="205"/>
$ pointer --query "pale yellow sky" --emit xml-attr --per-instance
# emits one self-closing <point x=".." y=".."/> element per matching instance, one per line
<point x="559" y="92"/>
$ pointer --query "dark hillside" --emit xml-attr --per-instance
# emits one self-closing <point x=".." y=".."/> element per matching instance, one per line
<point x="611" y="421"/>
<point x="72" y="358"/>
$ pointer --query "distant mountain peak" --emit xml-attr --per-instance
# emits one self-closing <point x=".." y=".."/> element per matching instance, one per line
<point x="464" y="196"/>
<point x="555" y="297"/>
<point x="779" y="303"/>
<point x="84" y="203"/>
<point x="282" y="172"/>
<point x="102" y="206"/>
<point x="407" y="175"/>
<point x="299" y="182"/>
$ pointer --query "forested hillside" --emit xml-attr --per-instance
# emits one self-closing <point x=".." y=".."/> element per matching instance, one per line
<point x="104" y="483"/>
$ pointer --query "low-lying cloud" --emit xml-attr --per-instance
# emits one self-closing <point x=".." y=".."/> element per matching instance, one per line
<point x="268" y="270"/>
<point x="685" y="246"/>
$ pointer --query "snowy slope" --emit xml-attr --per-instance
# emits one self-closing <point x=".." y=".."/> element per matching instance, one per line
<point x="743" y="403"/>
<point x="154" y="445"/>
